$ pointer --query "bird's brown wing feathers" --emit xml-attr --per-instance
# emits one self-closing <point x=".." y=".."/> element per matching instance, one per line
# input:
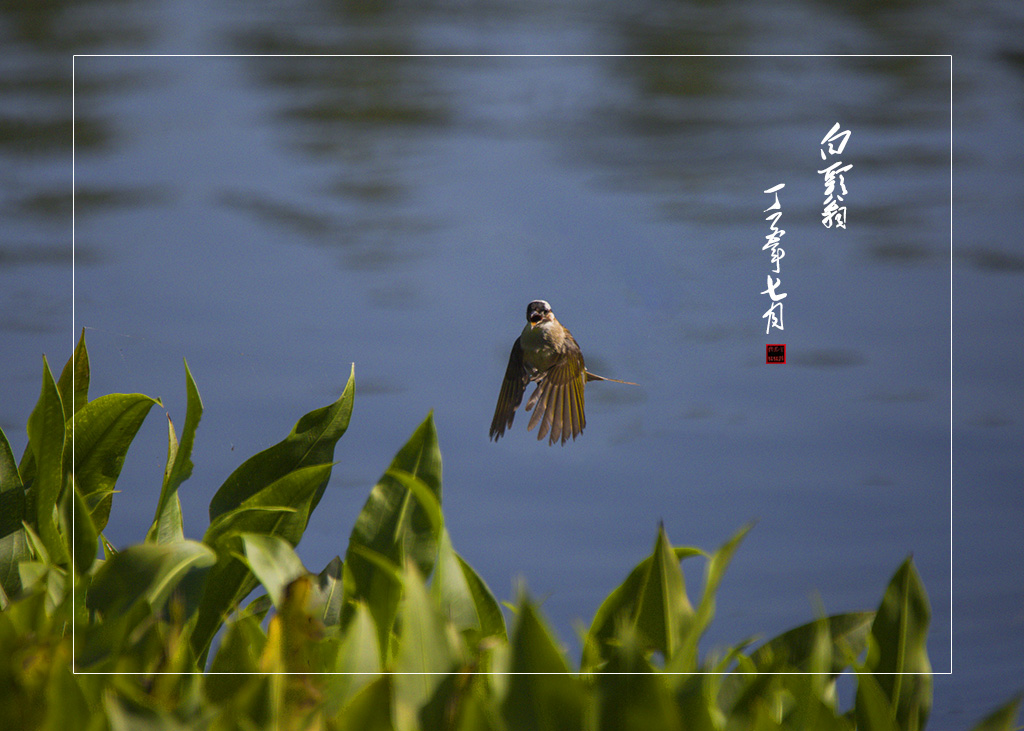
<point x="558" y="399"/>
<point x="511" y="395"/>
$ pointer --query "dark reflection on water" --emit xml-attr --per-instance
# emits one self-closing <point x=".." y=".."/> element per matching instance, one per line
<point x="274" y="219"/>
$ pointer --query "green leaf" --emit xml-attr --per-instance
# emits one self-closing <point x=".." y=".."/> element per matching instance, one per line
<point x="167" y="523"/>
<point x="267" y="519"/>
<point x="311" y="442"/>
<point x="84" y="532"/>
<point x="871" y="706"/>
<point x="13" y="509"/>
<point x="369" y="709"/>
<point x="146" y="571"/>
<point x="653" y="600"/>
<point x="794" y="676"/>
<point x="717" y="564"/>
<point x="1003" y="718"/>
<point x="424" y="648"/>
<point x="73" y="383"/>
<point x="254" y="704"/>
<point x="464" y="597"/>
<point x="44" y="577"/>
<point x="848" y="635"/>
<point x="68" y="707"/>
<point x="534" y="701"/>
<point x="271" y="493"/>
<point x="696" y="699"/>
<point x="394" y="524"/>
<point x="428" y="501"/>
<point x="357" y="662"/>
<point x="103" y="430"/>
<point x="813" y="704"/>
<point x="239" y="653"/>
<point x="279" y="509"/>
<point x="274" y="563"/>
<point x="35" y="545"/>
<point x="330" y="593"/>
<point x="127" y="715"/>
<point x="474" y="701"/>
<point x="631" y="695"/>
<point x="897" y="652"/>
<point x="46" y="443"/>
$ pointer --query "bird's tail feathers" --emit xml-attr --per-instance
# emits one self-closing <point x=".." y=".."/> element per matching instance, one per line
<point x="595" y="377"/>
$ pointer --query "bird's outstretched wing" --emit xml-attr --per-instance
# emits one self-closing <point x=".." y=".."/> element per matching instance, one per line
<point x="558" y="397"/>
<point x="512" y="389"/>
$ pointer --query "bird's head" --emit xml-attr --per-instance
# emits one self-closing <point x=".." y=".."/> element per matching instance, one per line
<point x="538" y="312"/>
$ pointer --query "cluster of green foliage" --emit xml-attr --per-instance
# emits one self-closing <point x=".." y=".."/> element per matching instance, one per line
<point x="402" y="634"/>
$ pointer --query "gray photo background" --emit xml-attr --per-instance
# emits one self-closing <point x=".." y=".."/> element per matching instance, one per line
<point x="273" y="220"/>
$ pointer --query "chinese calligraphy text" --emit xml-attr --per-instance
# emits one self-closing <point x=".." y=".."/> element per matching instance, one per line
<point x="774" y="237"/>
<point x="833" y="213"/>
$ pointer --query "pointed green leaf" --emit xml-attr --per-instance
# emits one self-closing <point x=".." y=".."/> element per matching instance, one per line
<point x="227" y="583"/>
<point x="848" y="634"/>
<point x="46" y="443"/>
<point x="146" y="571"/>
<point x="13" y="550"/>
<point x="631" y="695"/>
<point x="394" y="524"/>
<point x="13" y="509"/>
<point x="73" y="384"/>
<point x="427" y="500"/>
<point x="279" y="509"/>
<point x="103" y="430"/>
<point x="463" y="596"/>
<point x="871" y="707"/>
<point x="369" y="709"/>
<point x="311" y="442"/>
<point x="825" y="646"/>
<point x="329" y="591"/>
<point x="239" y="652"/>
<point x="1003" y="718"/>
<point x="540" y="702"/>
<point x="717" y="564"/>
<point x="663" y="610"/>
<point x="898" y="645"/>
<point x="653" y="598"/>
<point x="167" y="523"/>
<point x="35" y="544"/>
<point x="266" y="519"/>
<point x="274" y="563"/>
<point x="424" y="648"/>
<point x="46" y="578"/>
<point x="813" y="704"/>
<point x="686" y="658"/>
<point x="357" y="662"/>
<point x="695" y="697"/>
<point x="12" y="491"/>
<point x="84" y="532"/>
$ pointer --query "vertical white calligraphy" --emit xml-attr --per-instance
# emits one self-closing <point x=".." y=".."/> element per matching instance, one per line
<point x="774" y="238"/>
<point x="833" y="213"/>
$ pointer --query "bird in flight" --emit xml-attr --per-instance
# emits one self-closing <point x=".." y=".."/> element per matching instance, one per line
<point x="545" y="353"/>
